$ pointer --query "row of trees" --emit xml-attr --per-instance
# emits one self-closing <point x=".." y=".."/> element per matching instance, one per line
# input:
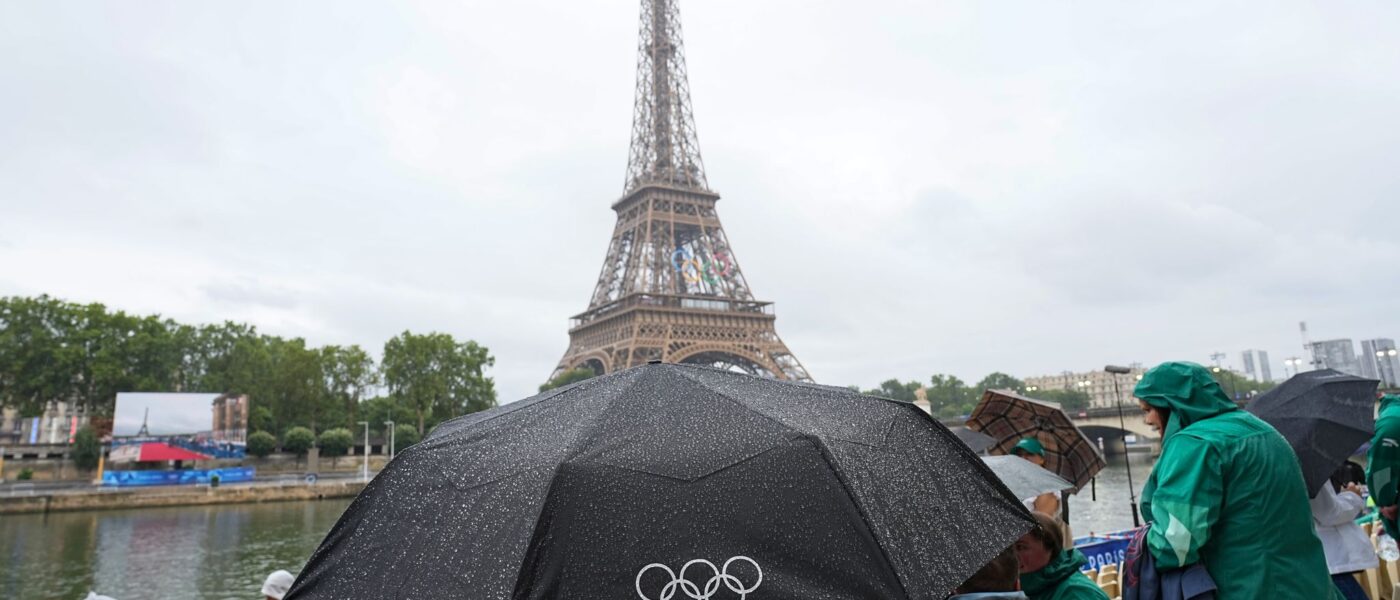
<point x="51" y="350"/>
<point x="949" y="396"/>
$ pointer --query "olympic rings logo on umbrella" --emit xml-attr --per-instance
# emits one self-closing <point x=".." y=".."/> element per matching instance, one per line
<point x="719" y="575"/>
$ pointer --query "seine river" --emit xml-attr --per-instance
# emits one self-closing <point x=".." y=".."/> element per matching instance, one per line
<point x="218" y="552"/>
<point x="224" y="552"/>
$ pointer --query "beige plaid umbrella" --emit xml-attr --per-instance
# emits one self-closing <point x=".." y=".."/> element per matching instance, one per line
<point x="1009" y="417"/>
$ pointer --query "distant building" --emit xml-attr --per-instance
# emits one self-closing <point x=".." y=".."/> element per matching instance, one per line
<point x="230" y="422"/>
<point x="1098" y="384"/>
<point x="57" y="425"/>
<point x="1256" y="365"/>
<point x="1380" y="360"/>
<point x="1335" y="354"/>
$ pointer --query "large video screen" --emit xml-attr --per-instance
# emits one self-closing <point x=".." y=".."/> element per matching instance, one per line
<point x="158" y="427"/>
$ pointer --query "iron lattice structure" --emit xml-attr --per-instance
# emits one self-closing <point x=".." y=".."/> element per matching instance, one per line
<point x="671" y="288"/>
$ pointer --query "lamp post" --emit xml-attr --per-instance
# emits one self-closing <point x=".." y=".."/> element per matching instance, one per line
<point x="1381" y="356"/>
<point x="1230" y="379"/>
<point x="1114" y="371"/>
<point x="364" y="469"/>
<point x="390" y="426"/>
<point x="1293" y="362"/>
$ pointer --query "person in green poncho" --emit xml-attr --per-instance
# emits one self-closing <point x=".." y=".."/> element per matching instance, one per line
<point x="1048" y="570"/>
<point x="1383" y="462"/>
<point x="1227" y="492"/>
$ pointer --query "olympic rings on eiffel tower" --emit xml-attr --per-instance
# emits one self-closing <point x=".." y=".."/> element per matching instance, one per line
<point x="695" y="269"/>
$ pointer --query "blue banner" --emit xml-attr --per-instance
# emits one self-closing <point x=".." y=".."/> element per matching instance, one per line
<point x="181" y="477"/>
<point x="1103" y="550"/>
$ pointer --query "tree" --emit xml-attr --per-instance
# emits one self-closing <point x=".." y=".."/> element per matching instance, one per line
<point x="894" y="390"/>
<point x="949" y="397"/>
<point x="437" y="376"/>
<point x="568" y="377"/>
<point x="298" y="440"/>
<point x="1238" y="387"/>
<point x="349" y="373"/>
<point x="335" y="442"/>
<point x="87" y="450"/>
<point x="1069" y="400"/>
<point x="261" y="444"/>
<point x="405" y="435"/>
<point x="297" y="391"/>
<point x="999" y="381"/>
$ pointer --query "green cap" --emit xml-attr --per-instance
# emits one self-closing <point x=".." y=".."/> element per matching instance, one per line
<point x="1029" y="445"/>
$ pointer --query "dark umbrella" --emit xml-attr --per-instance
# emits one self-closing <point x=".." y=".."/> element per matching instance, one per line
<point x="1325" y="415"/>
<point x="673" y="482"/>
<point x="1024" y="478"/>
<point x="1009" y="417"/>
<point x="976" y="440"/>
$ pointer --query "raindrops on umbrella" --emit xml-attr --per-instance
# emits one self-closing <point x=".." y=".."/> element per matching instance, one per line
<point x="673" y="481"/>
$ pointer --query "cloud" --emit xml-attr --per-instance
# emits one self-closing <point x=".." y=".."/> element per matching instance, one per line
<point x="961" y="187"/>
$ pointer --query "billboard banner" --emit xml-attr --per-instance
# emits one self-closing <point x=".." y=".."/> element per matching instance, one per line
<point x="185" y="476"/>
<point x="158" y="427"/>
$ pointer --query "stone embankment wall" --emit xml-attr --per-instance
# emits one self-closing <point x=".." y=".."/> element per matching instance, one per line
<point x="97" y="498"/>
<point x="56" y="469"/>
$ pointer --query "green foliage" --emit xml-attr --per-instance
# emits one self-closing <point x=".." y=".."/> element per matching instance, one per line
<point x="405" y="435"/>
<point x="1000" y="381"/>
<point x="1069" y="400"/>
<point x="25" y="474"/>
<point x="568" y="377"/>
<point x="85" y="353"/>
<point x="261" y="444"/>
<point x="349" y="372"/>
<point x="894" y="390"/>
<point x="298" y="440"/>
<point x="950" y="397"/>
<point x="437" y="376"/>
<point x="335" y="442"/>
<point x="1239" y="387"/>
<point x="87" y="450"/>
<point x="260" y="419"/>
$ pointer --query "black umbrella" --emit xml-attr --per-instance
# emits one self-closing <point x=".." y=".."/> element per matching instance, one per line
<point x="1325" y="415"/>
<point x="673" y="482"/>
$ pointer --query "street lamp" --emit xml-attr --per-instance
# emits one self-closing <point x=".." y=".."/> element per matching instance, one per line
<point x="364" y="469"/>
<point x="1293" y="362"/>
<point x="390" y="426"/>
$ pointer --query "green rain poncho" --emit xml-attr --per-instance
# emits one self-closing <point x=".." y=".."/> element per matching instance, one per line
<point x="1228" y="492"/>
<point x="1061" y="580"/>
<point x="1383" y="459"/>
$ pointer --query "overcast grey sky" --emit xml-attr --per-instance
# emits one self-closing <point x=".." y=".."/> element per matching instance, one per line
<point x="921" y="187"/>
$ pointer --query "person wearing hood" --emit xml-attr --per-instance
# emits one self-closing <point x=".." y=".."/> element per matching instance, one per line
<point x="1383" y="462"/>
<point x="1226" y="492"/>
<point x="1049" y="571"/>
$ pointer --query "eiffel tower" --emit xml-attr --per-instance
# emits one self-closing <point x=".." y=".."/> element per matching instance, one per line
<point x="671" y="288"/>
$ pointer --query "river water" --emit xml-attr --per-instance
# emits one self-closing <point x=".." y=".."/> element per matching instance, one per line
<point x="1112" y="510"/>
<point x="217" y="552"/>
<point x="223" y="552"/>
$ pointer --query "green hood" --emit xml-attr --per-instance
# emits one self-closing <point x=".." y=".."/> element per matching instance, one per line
<point x="1390" y="400"/>
<point x="1061" y="567"/>
<point x="1188" y="389"/>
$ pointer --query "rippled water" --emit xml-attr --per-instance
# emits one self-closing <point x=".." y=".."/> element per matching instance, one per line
<point x="1111" y="511"/>
<point x="217" y="552"/>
